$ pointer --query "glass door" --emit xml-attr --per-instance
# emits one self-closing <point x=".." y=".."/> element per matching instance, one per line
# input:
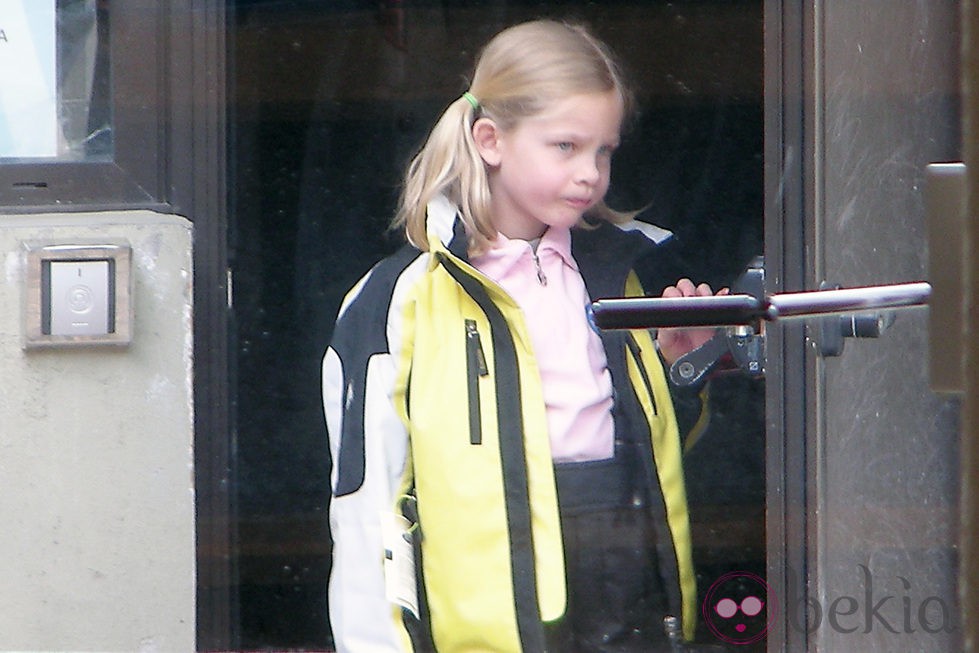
<point x="862" y="96"/>
<point x="328" y="102"/>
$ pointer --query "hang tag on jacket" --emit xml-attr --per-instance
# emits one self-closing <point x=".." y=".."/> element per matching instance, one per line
<point x="399" y="562"/>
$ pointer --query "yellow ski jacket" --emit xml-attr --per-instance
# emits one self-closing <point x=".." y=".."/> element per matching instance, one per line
<point x="434" y="411"/>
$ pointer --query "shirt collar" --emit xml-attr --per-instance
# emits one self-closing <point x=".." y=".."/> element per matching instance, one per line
<point x="505" y="253"/>
<point x="558" y="240"/>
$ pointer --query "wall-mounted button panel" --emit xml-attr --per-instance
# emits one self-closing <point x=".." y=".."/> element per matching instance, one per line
<point x="77" y="294"/>
<point x="77" y="298"/>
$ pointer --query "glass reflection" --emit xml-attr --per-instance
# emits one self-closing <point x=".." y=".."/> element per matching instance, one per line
<point x="84" y="82"/>
<point x="330" y="101"/>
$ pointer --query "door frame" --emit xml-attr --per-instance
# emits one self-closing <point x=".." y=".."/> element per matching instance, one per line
<point x="969" y="499"/>
<point x="197" y="86"/>
<point x="789" y="190"/>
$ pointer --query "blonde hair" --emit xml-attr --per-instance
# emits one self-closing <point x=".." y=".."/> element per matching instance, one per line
<point x="520" y="72"/>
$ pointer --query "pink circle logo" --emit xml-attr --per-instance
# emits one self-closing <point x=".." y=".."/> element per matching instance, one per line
<point x="739" y="608"/>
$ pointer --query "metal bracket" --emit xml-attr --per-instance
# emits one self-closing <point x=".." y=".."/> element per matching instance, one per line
<point x="743" y="346"/>
<point x="945" y="205"/>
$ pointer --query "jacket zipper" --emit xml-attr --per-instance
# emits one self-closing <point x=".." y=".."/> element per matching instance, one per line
<point x="636" y="356"/>
<point x="476" y="368"/>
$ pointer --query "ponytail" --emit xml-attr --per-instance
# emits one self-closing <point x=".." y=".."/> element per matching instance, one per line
<point x="448" y="164"/>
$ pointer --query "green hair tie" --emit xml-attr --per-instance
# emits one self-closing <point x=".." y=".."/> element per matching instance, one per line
<point x="471" y="99"/>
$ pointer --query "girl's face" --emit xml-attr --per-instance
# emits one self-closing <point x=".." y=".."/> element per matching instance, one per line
<point x="552" y="167"/>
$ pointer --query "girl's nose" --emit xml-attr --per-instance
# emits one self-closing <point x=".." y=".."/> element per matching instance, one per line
<point x="589" y="171"/>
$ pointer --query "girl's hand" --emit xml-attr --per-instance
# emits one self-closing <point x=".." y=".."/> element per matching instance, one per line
<point x="676" y="342"/>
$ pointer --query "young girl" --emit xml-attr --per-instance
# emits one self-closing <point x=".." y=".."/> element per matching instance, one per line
<point x="505" y="477"/>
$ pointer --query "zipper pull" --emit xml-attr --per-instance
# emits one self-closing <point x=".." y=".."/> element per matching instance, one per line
<point x="472" y="335"/>
<point x="540" y="271"/>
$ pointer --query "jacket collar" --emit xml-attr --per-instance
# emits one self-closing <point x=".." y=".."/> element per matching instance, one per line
<point x="441" y="223"/>
<point x="604" y="253"/>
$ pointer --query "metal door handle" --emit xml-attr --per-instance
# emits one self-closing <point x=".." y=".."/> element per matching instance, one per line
<point x="843" y="311"/>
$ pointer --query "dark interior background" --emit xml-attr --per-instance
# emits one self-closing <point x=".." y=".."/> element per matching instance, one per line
<point x="328" y="101"/>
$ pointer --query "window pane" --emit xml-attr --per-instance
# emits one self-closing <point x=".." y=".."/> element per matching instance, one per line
<point x="55" y="81"/>
<point x="887" y="483"/>
<point x="84" y="79"/>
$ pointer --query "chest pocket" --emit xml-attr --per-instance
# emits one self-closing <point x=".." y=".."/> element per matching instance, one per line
<point x="476" y="370"/>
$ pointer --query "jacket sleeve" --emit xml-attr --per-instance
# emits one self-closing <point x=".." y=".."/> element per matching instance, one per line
<point x="693" y="410"/>
<point x="368" y="445"/>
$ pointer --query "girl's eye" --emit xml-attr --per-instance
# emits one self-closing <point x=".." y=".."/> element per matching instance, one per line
<point x="566" y="146"/>
<point x="606" y="150"/>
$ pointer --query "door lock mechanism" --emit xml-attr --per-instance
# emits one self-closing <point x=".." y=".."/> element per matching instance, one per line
<point x="835" y="329"/>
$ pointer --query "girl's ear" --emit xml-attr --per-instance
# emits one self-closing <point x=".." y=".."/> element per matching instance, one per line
<point x="486" y="136"/>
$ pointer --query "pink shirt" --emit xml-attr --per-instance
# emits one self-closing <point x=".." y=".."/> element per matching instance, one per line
<point x="574" y="372"/>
